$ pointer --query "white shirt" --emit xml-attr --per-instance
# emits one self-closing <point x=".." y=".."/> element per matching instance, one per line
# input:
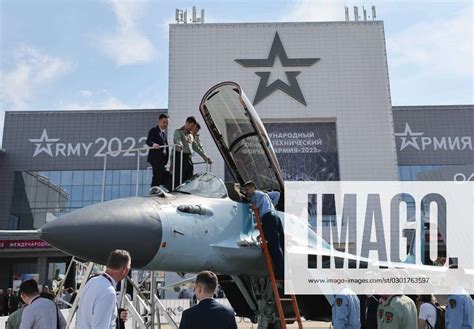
<point x="428" y="312"/>
<point x="41" y="313"/>
<point x="98" y="304"/>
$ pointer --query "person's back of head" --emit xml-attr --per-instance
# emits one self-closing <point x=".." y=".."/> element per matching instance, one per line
<point x="206" y="284"/>
<point x="191" y="120"/>
<point x="163" y="116"/>
<point x="28" y="290"/>
<point x="249" y="188"/>
<point x="118" y="264"/>
<point x="426" y="298"/>
<point x="118" y="259"/>
<point x="250" y="184"/>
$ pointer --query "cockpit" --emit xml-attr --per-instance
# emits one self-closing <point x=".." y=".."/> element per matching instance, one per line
<point x="206" y="185"/>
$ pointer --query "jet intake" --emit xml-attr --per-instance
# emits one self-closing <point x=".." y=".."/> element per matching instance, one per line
<point x="196" y="209"/>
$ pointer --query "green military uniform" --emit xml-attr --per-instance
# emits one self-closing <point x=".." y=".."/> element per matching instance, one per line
<point x="14" y="320"/>
<point x="186" y="139"/>
<point x="397" y="312"/>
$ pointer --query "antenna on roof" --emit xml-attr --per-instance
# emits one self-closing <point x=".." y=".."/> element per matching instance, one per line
<point x="374" y="14"/>
<point x="198" y="19"/>
<point x="365" y="13"/>
<point x="356" y="13"/>
<point x="346" y="10"/>
<point x="181" y="16"/>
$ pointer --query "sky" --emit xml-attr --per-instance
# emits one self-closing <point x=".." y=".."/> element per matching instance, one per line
<point x="113" y="54"/>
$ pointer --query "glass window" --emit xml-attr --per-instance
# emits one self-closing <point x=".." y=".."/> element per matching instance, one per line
<point x="116" y="177"/>
<point x="78" y="178"/>
<point x="108" y="177"/>
<point x="108" y="193"/>
<point x="43" y="173"/>
<point x="135" y="173"/>
<point x="88" y="177"/>
<point x="144" y="190"/>
<point x="147" y="175"/>
<point x="68" y="190"/>
<point x="88" y="194"/>
<point x="76" y="194"/>
<point x="55" y="271"/>
<point x="76" y="205"/>
<point x="97" y="192"/>
<point x="14" y="222"/>
<point x="115" y="192"/>
<point x="66" y="178"/>
<point x="55" y="177"/>
<point x="125" y="177"/>
<point x="415" y="170"/>
<point x="98" y="177"/>
<point x="405" y="173"/>
<point x="124" y="191"/>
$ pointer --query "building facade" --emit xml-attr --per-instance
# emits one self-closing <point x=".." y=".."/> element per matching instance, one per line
<point x="299" y="76"/>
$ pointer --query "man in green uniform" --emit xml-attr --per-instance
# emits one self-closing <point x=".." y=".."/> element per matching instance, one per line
<point x="14" y="319"/>
<point x="397" y="312"/>
<point x="186" y="145"/>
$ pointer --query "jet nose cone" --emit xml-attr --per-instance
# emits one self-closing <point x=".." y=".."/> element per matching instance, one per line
<point x="93" y="232"/>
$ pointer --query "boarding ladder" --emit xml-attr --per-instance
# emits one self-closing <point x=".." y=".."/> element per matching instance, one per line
<point x="279" y="300"/>
<point x="144" y="308"/>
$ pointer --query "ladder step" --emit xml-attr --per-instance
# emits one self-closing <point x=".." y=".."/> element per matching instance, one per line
<point x="286" y="299"/>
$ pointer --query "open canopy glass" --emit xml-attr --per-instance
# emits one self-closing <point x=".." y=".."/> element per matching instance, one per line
<point x="241" y="136"/>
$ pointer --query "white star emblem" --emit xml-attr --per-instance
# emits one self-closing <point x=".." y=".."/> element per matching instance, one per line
<point x="413" y="138"/>
<point x="39" y="144"/>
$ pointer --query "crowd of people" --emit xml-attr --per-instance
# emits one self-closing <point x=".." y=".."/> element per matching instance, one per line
<point x="98" y="307"/>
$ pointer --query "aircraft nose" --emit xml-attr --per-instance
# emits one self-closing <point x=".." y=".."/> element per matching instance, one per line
<point x="91" y="233"/>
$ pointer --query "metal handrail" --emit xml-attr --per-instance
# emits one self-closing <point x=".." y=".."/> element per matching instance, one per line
<point x="173" y="149"/>
<point x="172" y="146"/>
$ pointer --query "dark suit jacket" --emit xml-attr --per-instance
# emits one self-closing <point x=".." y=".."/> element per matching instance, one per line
<point x="157" y="157"/>
<point x="208" y="314"/>
<point x="368" y="310"/>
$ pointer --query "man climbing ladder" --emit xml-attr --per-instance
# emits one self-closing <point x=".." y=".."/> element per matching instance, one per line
<point x="272" y="242"/>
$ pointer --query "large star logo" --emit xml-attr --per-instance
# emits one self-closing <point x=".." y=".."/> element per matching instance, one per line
<point x="264" y="89"/>
<point x="412" y="136"/>
<point x="39" y="144"/>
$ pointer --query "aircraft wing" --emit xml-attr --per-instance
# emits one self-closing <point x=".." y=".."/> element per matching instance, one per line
<point x="183" y="284"/>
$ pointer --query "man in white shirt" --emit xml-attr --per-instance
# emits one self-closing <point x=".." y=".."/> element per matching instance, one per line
<point x="40" y="313"/>
<point x="427" y="315"/>
<point x="98" y="302"/>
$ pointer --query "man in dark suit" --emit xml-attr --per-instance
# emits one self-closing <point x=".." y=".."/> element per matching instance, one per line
<point x="368" y="311"/>
<point x="158" y="156"/>
<point x="208" y="314"/>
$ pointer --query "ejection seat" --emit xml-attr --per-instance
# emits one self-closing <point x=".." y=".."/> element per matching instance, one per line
<point x="233" y="191"/>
